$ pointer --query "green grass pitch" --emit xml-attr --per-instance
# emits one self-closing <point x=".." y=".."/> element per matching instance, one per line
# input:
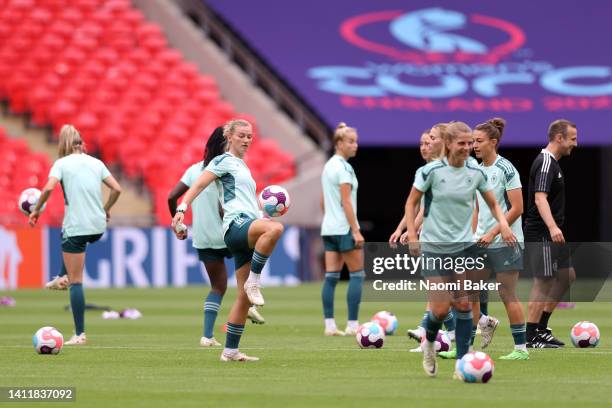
<point x="156" y="361"/>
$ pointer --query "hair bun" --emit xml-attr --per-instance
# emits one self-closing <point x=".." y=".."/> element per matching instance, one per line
<point x="341" y="125"/>
<point x="499" y="123"/>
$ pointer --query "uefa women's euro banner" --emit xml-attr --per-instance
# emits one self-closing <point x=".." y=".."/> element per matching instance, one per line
<point x="393" y="68"/>
<point x="125" y="256"/>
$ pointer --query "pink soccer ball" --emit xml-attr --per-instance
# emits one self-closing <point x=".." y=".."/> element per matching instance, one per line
<point x="274" y="201"/>
<point x="387" y="321"/>
<point x="28" y="200"/>
<point x="48" y="340"/>
<point x="585" y="334"/>
<point x="370" y="335"/>
<point x="442" y="343"/>
<point x="475" y="367"/>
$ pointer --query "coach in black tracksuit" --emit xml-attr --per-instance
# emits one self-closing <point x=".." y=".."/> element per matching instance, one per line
<point x="547" y="257"/>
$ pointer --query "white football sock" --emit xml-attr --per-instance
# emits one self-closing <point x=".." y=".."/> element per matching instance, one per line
<point x="522" y="347"/>
<point x="330" y="324"/>
<point x="352" y="324"/>
<point x="254" y="277"/>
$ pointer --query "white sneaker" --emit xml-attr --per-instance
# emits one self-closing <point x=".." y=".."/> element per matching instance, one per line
<point x="237" y="357"/>
<point x="74" y="340"/>
<point x="416" y="350"/>
<point x="334" y="332"/>
<point x="430" y="364"/>
<point x="58" y="283"/>
<point x="255" y="316"/>
<point x="350" y="331"/>
<point x="253" y="293"/>
<point x="487" y="331"/>
<point x="206" y="342"/>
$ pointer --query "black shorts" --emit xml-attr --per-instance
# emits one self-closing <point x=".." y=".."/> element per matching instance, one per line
<point x="544" y="258"/>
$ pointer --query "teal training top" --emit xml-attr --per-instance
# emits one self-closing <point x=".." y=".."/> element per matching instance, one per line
<point x="81" y="177"/>
<point x="449" y="202"/>
<point x="502" y="177"/>
<point x="337" y="171"/>
<point x="207" y="230"/>
<point x="237" y="188"/>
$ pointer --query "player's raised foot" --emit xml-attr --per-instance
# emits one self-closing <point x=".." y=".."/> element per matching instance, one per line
<point x="255" y="316"/>
<point x="487" y="330"/>
<point x="418" y="349"/>
<point x="253" y="293"/>
<point x="334" y="332"/>
<point x="416" y="334"/>
<point x="448" y="355"/>
<point x="548" y="337"/>
<point x="206" y="342"/>
<point x="430" y="364"/>
<point x="516" y="355"/>
<point x="75" y="340"/>
<point x="237" y="356"/>
<point x="58" y="283"/>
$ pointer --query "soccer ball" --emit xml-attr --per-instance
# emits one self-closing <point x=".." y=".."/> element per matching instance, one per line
<point x="274" y="201"/>
<point x="442" y="343"/>
<point x="475" y="367"/>
<point x="28" y="199"/>
<point x="370" y="335"/>
<point x="387" y="321"/>
<point x="48" y="340"/>
<point x="585" y="334"/>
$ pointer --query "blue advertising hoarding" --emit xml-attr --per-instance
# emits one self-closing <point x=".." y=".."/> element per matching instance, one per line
<point x="393" y="68"/>
<point x="153" y="257"/>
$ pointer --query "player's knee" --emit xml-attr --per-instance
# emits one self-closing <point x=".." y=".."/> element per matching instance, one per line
<point x="439" y="311"/>
<point x="276" y="230"/>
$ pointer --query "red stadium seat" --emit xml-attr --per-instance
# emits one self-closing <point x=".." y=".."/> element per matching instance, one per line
<point x="100" y="65"/>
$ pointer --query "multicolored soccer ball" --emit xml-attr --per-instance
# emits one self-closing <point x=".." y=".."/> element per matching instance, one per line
<point x="442" y="343"/>
<point x="387" y="321"/>
<point x="274" y="201"/>
<point x="475" y="367"/>
<point x="585" y="334"/>
<point x="370" y="335"/>
<point x="28" y="199"/>
<point x="48" y="340"/>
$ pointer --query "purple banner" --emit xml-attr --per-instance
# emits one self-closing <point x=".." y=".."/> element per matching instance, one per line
<point x="394" y="68"/>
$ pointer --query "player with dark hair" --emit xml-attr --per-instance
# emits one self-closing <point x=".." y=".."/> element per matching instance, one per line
<point x="547" y="257"/>
<point x="504" y="261"/>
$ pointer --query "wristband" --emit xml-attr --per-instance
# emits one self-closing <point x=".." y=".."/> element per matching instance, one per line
<point x="182" y="208"/>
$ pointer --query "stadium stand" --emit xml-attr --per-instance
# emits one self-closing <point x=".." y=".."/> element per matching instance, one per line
<point x="101" y="66"/>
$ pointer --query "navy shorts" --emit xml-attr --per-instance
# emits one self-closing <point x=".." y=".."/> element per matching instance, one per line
<point x="237" y="240"/>
<point x="503" y="259"/>
<point x="78" y="243"/>
<point x="339" y="243"/>
<point x="213" y="254"/>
